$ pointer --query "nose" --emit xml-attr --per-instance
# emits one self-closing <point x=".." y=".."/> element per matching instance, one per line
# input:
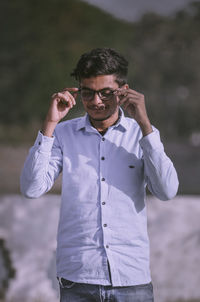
<point x="96" y="99"/>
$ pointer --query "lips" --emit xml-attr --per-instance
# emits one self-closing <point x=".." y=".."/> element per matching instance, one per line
<point x="99" y="108"/>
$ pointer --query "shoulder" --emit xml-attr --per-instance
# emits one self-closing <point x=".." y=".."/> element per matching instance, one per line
<point x="69" y="124"/>
<point x="133" y="128"/>
<point x="68" y="128"/>
<point x="131" y="124"/>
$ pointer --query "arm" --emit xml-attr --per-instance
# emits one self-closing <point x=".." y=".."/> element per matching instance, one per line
<point x="159" y="171"/>
<point x="44" y="162"/>
<point x="160" y="174"/>
<point x="42" y="166"/>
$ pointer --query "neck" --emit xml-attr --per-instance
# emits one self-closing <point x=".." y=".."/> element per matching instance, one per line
<point x="103" y="125"/>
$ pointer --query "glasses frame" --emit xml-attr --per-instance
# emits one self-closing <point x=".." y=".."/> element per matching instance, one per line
<point x="103" y="98"/>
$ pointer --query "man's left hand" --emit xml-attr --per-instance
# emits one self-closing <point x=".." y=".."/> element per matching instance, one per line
<point x="134" y="103"/>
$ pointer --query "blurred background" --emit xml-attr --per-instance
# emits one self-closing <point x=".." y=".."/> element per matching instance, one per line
<point x="41" y="42"/>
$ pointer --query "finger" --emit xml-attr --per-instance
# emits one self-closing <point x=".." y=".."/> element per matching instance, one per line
<point x="125" y="92"/>
<point x="126" y="104"/>
<point x="54" y="96"/>
<point x="72" y="93"/>
<point x="120" y="92"/>
<point x="121" y="97"/>
<point x="64" y="99"/>
<point x="72" y="98"/>
<point x="72" y="89"/>
<point x="130" y="100"/>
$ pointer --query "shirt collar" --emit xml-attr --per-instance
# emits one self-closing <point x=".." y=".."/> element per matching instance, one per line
<point x="84" y="122"/>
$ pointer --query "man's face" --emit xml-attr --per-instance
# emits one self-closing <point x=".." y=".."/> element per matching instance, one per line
<point x="100" y="106"/>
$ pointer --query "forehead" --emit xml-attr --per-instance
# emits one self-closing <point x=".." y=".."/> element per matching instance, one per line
<point x="100" y="82"/>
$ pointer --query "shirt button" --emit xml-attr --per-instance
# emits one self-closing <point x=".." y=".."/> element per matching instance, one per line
<point x="103" y="203"/>
<point x="105" y="225"/>
<point x="102" y="158"/>
<point x="103" y="139"/>
<point x="39" y="143"/>
<point x="103" y="179"/>
<point x="107" y="246"/>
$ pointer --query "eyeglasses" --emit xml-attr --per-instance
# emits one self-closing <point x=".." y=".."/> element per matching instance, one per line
<point x="104" y="94"/>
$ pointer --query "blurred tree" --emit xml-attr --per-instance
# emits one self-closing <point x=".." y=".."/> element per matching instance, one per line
<point x="42" y="41"/>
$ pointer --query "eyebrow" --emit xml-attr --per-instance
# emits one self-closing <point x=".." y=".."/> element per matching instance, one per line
<point x="84" y="87"/>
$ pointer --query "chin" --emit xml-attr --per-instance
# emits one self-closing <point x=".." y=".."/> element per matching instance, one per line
<point x="99" y="117"/>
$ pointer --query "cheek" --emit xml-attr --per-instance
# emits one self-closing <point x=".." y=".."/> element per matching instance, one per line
<point x="115" y="103"/>
<point x="117" y="100"/>
<point x="84" y="105"/>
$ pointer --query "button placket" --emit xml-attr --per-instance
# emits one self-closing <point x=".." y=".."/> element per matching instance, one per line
<point x="105" y="208"/>
<point x="102" y="171"/>
<point x="104" y="192"/>
<point x="106" y="212"/>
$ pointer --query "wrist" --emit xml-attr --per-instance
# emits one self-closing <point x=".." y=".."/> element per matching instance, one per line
<point x="48" y="128"/>
<point x="146" y="128"/>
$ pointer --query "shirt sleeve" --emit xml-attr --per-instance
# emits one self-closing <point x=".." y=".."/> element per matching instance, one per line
<point x="42" y="166"/>
<point x="160" y="174"/>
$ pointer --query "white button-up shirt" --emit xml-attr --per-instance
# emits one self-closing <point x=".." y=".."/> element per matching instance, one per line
<point x="103" y="214"/>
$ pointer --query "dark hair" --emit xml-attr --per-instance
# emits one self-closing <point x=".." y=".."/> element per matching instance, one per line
<point x="102" y="61"/>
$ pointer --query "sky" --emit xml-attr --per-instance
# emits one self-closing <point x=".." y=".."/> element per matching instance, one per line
<point x="132" y="10"/>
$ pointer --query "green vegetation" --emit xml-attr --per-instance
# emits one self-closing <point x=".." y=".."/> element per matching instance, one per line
<point x="41" y="42"/>
<point x="6" y="263"/>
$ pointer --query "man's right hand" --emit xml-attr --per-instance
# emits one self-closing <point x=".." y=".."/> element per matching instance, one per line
<point x="61" y="104"/>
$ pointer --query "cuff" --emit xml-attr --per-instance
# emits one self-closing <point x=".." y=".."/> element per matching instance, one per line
<point x="151" y="141"/>
<point x="44" y="143"/>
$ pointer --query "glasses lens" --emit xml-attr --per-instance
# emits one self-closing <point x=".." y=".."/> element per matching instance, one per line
<point x="87" y="94"/>
<point x="106" y="94"/>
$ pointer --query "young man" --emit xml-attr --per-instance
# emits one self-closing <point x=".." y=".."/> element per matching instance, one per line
<point x="107" y="160"/>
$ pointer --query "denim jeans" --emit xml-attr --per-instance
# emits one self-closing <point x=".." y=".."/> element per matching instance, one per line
<point x="81" y="292"/>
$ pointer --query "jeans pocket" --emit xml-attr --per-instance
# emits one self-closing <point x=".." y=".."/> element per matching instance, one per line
<point x="64" y="283"/>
